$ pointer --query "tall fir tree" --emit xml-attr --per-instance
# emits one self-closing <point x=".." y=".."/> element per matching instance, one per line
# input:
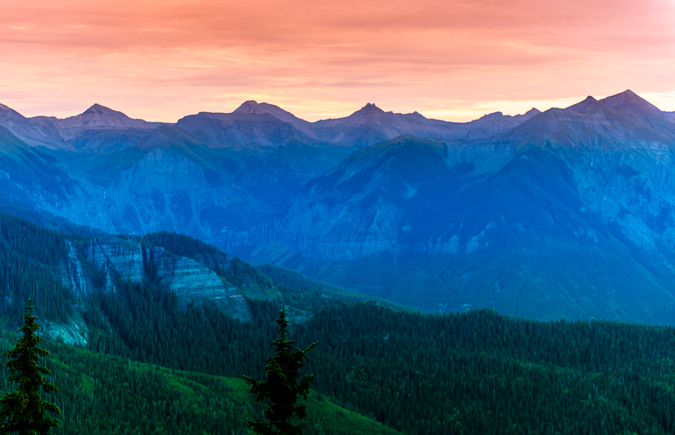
<point x="24" y="411"/>
<point x="284" y="384"/>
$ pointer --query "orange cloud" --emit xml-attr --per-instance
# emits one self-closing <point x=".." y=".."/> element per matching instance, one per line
<point x="161" y="60"/>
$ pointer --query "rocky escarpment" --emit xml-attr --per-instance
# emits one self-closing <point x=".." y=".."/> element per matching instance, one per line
<point x="74" y="275"/>
<point x="75" y="332"/>
<point x="114" y="256"/>
<point x="103" y="262"/>
<point x="192" y="281"/>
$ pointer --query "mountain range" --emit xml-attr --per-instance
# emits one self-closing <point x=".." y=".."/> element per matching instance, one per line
<point x="567" y="213"/>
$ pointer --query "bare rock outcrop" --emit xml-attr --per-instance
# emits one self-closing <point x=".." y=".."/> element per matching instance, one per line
<point x="112" y="260"/>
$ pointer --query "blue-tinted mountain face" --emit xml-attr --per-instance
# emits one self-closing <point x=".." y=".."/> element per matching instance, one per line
<point x="563" y="213"/>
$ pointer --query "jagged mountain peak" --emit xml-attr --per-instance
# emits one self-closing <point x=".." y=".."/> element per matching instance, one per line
<point x="371" y="106"/>
<point x="626" y="95"/>
<point x="370" y="125"/>
<point x="584" y="106"/>
<point x="97" y="107"/>
<point x="497" y="121"/>
<point x="629" y="100"/>
<point x="622" y="121"/>
<point x="498" y="116"/>
<point x="253" y="107"/>
<point x="251" y="125"/>
<point x="250" y="106"/>
<point x="641" y="111"/>
<point x="98" y="110"/>
<point x="492" y="115"/>
<point x="369" y="109"/>
<point x="98" y="127"/>
<point x="101" y="117"/>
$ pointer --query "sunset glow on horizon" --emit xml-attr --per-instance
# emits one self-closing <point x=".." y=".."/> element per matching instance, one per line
<point x="452" y="60"/>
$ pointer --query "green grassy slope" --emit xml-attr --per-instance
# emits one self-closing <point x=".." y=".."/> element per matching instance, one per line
<point x="103" y="394"/>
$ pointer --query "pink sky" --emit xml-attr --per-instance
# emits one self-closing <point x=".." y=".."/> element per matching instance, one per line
<point x="453" y="60"/>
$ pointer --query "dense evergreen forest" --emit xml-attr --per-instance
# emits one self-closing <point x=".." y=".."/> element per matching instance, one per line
<point x="102" y="394"/>
<point x="473" y="373"/>
<point x="29" y="259"/>
<point x="156" y="366"/>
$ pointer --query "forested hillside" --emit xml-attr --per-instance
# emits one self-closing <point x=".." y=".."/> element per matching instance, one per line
<point x="29" y="261"/>
<point x="100" y="394"/>
<point x="473" y="373"/>
<point x="160" y="362"/>
<point x="61" y="271"/>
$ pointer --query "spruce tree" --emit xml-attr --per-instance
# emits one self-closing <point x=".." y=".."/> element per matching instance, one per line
<point x="23" y="411"/>
<point x="284" y="384"/>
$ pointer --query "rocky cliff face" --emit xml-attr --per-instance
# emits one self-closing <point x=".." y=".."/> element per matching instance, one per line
<point x="74" y="275"/>
<point x="192" y="281"/>
<point x="74" y="332"/>
<point x="123" y="257"/>
<point x="113" y="259"/>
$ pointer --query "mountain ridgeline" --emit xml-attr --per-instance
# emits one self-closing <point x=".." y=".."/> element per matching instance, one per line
<point x="567" y="213"/>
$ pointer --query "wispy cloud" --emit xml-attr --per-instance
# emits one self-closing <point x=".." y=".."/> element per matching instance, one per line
<point x="165" y="59"/>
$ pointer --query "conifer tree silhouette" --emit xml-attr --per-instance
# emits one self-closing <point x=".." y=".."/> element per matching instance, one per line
<point x="23" y="411"/>
<point x="284" y="384"/>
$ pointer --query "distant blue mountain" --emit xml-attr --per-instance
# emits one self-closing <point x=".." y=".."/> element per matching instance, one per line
<point x="564" y="213"/>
